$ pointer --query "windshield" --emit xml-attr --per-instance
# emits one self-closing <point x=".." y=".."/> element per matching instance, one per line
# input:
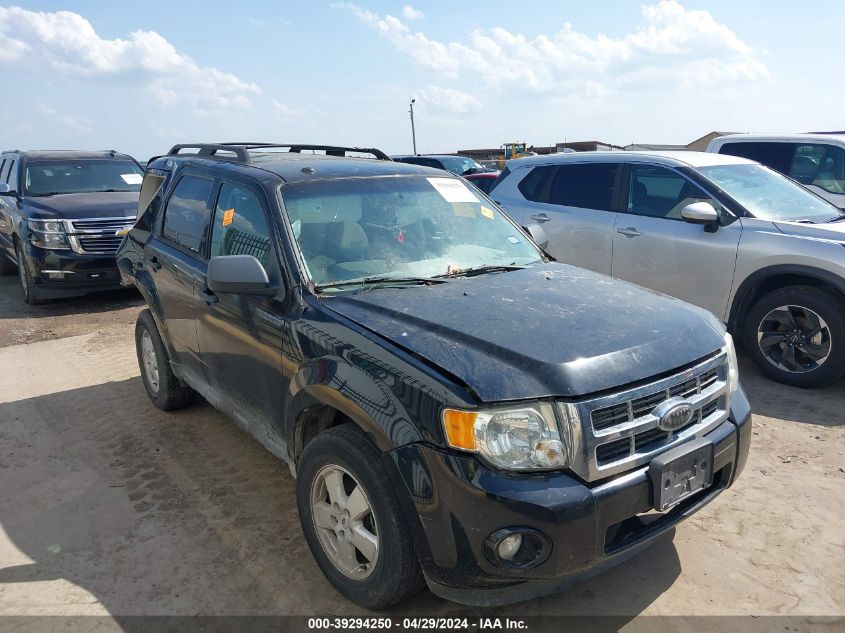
<point x="768" y="195"/>
<point x="402" y="227"/>
<point x="460" y="165"/>
<point x="78" y="176"/>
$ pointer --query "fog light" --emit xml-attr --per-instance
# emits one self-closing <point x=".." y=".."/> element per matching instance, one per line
<point x="509" y="546"/>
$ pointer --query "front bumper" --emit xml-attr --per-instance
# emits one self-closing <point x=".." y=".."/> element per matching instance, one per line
<point x="453" y="503"/>
<point x="64" y="273"/>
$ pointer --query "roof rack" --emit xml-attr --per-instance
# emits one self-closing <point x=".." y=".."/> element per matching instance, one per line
<point x="330" y="150"/>
<point x="209" y="150"/>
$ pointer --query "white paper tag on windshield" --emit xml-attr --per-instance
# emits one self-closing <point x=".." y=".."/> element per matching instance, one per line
<point x="452" y="190"/>
<point x="131" y="179"/>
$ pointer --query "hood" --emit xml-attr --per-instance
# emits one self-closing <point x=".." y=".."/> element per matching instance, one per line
<point x="102" y="204"/>
<point x="827" y="231"/>
<point x="547" y="330"/>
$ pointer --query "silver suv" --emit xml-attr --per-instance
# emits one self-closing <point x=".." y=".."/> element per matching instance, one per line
<point x="759" y="251"/>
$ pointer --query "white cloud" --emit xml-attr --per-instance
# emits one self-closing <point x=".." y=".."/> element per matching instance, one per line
<point x="410" y="13"/>
<point x="75" y="124"/>
<point x="67" y="42"/>
<point x="281" y="110"/>
<point x="448" y="99"/>
<point x="674" y="46"/>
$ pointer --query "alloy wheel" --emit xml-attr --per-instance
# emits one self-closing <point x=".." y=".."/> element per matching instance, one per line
<point x="794" y="339"/>
<point x="344" y="521"/>
<point x="148" y="355"/>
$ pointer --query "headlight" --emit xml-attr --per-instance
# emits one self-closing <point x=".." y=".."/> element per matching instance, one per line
<point x="733" y="366"/>
<point x="524" y="438"/>
<point x="48" y="234"/>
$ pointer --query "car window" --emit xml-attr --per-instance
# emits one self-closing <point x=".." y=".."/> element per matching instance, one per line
<point x="240" y="227"/>
<point x="584" y="185"/>
<point x="760" y="152"/>
<point x="186" y="215"/>
<point x="657" y="192"/>
<point x="425" y="162"/>
<point x="533" y="186"/>
<point x="12" y="175"/>
<point x="3" y="167"/>
<point x="819" y="164"/>
<point x="47" y="177"/>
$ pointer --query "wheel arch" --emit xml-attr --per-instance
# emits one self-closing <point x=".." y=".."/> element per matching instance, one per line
<point x="772" y="278"/>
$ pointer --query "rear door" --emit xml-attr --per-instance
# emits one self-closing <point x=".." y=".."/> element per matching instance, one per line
<point x="174" y="258"/>
<point x="654" y="247"/>
<point x="241" y="337"/>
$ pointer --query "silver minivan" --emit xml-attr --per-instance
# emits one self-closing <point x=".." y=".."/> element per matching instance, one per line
<point x="756" y="249"/>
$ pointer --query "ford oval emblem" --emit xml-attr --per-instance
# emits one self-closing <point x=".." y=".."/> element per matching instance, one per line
<point x="673" y="414"/>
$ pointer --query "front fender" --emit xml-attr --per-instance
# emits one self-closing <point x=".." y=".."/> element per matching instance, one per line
<point x="367" y="401"/>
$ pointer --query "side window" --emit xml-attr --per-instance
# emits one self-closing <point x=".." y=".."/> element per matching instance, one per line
<point x="585" y="185"/>
<point x="820" y="165"/>
<point x="761" y="152"/>
<point x="186" y="215"/>
<point x="12" y="175"/>
<point x="3" y="167"/>
<point x="656" y="192"/>
<point x="240" y="227"/>
<point x="533" y="186"/>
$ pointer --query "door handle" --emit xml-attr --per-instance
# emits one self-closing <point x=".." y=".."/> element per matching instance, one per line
<point x="154" y="263"/>
<point x="208" y="296"/>
<point x="540" y="217"/>
<point x="629" y="232"/>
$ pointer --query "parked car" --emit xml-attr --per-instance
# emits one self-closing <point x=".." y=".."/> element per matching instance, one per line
<point x="458" y="410"/>
<point x="759" y="251"/>
<point x="483" y="180"/>
<point x="817" y="161"/>
<point x="458" y="165"/>
<point x="62" y="215"/>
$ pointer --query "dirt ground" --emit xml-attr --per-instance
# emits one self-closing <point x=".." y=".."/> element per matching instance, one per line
<point x="110" y="507"/>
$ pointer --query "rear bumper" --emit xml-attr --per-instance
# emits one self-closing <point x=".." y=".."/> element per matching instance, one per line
<point x="454" y="503"/>
<point x="68" y="274"/>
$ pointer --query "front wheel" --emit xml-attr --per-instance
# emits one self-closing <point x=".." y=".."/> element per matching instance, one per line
<point x="353" y="522"/>
<point x="796" y="335"/>
<point x="30" y="292"/>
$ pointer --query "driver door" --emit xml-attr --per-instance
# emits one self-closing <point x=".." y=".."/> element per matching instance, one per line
<point x="654" y="247"/>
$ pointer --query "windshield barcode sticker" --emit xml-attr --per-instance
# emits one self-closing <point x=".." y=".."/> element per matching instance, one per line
<point x="452" y="190"/>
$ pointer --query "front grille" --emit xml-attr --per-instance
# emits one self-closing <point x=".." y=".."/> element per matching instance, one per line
<point x="619" y="432"/>
<point x="97" y="235"/>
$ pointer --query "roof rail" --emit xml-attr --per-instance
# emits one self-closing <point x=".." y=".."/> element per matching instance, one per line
<point x="330" y="150"/>
<point x="209" y="150"/>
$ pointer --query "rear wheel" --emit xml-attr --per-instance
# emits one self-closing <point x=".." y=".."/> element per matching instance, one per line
<point x="163" y="387"/>
<point x="352" y="520"/>
<point x="796" y="335"/>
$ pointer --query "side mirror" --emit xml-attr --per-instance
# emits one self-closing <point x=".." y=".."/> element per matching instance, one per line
<point x="238" y="274"/>
<point x="538" y="234"/>
<point x="700" y="213"/>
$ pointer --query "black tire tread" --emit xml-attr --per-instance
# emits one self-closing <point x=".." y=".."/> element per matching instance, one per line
<point x="172" y="393"/>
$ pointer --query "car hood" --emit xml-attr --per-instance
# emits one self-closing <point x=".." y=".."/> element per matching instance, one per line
<point x="826" y="231"/>
<point x="547" y="330"/>
<point x="105" y="204"/>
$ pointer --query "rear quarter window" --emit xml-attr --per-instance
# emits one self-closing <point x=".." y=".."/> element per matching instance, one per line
<point x="187" y="214"/>
<point x="533" y="186"/>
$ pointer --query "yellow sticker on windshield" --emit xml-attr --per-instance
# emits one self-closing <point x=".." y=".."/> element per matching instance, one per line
<point x="487" y="213"/>
<point x="228" y="217"/>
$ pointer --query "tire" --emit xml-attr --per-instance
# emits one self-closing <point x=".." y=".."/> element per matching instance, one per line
<point x="812" y="326"/>
<point x="163" y="387"/>
<point x="7" y="266"/>
<point x="395" y="575"/>
<point x="30" y="292"/>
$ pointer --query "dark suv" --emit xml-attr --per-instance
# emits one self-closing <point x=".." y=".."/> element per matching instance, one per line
<point x="458" y="410"/>
<point x="62" y="217"/>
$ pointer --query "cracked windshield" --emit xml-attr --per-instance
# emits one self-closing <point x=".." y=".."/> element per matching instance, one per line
<point x="399" y="227"/>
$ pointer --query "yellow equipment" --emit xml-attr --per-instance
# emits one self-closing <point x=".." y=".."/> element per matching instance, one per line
<point x="512" y="150"/>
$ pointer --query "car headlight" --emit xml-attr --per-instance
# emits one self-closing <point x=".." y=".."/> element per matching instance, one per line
<point x="48" y="234"/>
<point x="521" y="438"/>
<point x="733" y="366"/>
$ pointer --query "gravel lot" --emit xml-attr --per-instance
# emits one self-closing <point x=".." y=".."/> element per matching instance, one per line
<point x="111" y="507"/>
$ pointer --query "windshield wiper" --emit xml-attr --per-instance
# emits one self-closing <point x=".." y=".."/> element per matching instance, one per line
<point x="838" y="218"/>
<point x="480" y="270"/>
<point x="407" y="281"/>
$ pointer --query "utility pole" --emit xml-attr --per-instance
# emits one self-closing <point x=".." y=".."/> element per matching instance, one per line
<point x="413" y="131"/>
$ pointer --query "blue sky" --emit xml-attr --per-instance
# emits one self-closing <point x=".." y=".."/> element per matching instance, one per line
<point x="116" y="75"/>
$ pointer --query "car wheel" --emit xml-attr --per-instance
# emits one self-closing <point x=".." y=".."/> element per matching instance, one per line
<point x="163" y="387"/>
<point x="353" y="522"/>
<point x="796" y="335"/>
<point x="30" y="292"/>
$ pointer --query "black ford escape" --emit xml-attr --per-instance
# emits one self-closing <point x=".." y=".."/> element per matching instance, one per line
<point x="458" y="410"/>
<point x="62" y="217"/>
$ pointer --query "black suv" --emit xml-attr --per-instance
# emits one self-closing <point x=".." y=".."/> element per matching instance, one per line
<point x="458" y="410"/>
<point x="62" y="216"/>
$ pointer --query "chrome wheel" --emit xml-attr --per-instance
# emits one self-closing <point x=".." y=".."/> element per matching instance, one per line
<point x="794" y="339"/>
<point x="148" y="355"/>
<point x="344" y="521"/>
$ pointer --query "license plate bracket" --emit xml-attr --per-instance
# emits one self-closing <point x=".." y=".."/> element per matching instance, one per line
<point x="681" y="472"/>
